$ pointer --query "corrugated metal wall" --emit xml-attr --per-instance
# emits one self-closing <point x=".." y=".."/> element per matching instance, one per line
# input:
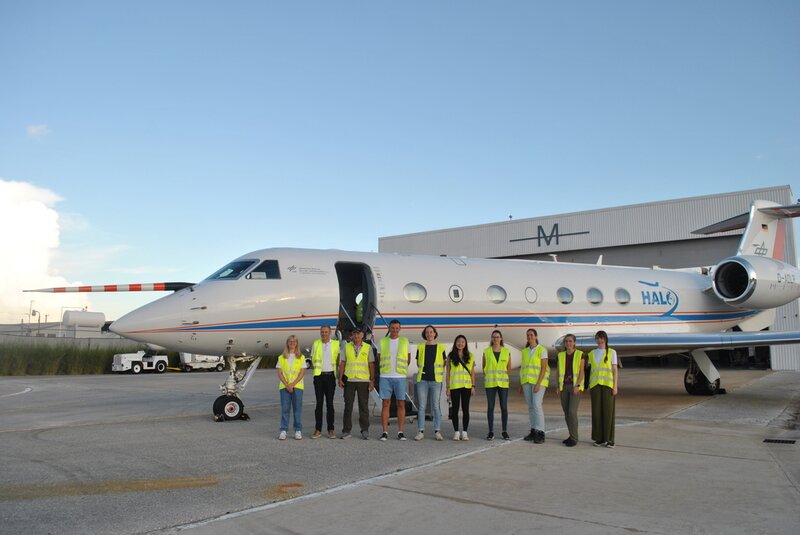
<point x="639" y="224"/>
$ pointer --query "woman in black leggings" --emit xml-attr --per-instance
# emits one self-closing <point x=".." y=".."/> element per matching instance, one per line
<point x="460" y="383"/>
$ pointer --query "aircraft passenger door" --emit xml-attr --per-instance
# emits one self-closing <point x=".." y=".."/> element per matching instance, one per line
<point x="356" y="296"/>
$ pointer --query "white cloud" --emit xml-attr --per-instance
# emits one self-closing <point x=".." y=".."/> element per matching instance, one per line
<point x="37" y="131"/>
<point x="28" y="241"/>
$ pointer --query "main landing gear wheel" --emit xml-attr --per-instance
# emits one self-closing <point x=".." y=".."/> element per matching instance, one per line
<point x="228" y="408"/>
<point x="696" y="383"/>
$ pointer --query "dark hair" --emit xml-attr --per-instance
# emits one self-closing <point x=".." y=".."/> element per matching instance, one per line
<point x="435" y="332"/>
<point x="501" y="336"/>
<point x="602" y="335"/>
<point x="570" y="335"/>
<point x="531" y="330"/>
<point x="453" y="356"/>
<point x="394" y="321"/>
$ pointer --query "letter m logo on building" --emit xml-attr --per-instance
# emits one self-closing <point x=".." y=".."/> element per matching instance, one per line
<point x="542" y="235"/>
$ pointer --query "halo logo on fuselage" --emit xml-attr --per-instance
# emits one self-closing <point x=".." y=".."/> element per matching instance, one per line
<point x="657" y="295"/>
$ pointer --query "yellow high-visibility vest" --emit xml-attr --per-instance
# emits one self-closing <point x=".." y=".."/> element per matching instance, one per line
<point x="495" y="370"/>
<point x="461" y="376"/>
<point x="316" y="355"/>
<point x="532" y="365"/>
<point x="438" y="363"/>
<point x="602" y="374"/>
<point x="290" y="373"/>
<point x="357" y="366"/>
<point x="576" y="368"/>
<point x="402" y="355"/>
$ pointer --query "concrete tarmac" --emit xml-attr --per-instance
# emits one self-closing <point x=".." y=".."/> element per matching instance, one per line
<point x="132" y="454"/>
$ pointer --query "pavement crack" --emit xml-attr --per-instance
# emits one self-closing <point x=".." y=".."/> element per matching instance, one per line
<point x="501" y="507"/>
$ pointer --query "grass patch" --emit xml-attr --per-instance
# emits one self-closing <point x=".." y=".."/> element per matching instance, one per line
<point x="58" y="359"/>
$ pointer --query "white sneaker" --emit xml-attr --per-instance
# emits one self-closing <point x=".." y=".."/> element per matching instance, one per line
<point x="457" y="436"/>
<point x="438" y="436"/>
<point x="298" y="435"/>
<point x="282" y="436"/>
<point x="420" y="435"/>
<point x="464" y="435"/>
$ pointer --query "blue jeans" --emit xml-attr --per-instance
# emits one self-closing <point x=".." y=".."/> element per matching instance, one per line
<point x="534" y="400"/>
<point x="426" y="390"/>
<point x="292" y="401"/>
<point x="491" y="393"/>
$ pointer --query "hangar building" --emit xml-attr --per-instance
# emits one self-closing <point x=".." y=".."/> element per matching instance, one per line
<point x="644" y="235"/>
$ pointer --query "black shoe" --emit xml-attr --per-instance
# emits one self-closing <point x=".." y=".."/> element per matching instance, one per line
<point x="538" y="438"/>
<point x="490" y="436"/>
<point x="530" y="436"/>
<point x="571" y="442"/>
<point x="505" y="436"/>
<point x="566" y="440"/>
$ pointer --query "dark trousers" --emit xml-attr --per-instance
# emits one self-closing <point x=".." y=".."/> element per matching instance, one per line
<point x="490" y="395"/>
<point x="602" y="413"/>
<point x="460" y="399"/>
<point x="351" y="388"/>
<point x="324" y="389"/>
<point x="569" y="403"/>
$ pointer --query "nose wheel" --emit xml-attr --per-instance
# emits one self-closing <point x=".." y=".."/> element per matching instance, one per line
<point x="229" y="406"/>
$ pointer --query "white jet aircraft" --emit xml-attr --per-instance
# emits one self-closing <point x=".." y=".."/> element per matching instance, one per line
<point x="247" y="308"/>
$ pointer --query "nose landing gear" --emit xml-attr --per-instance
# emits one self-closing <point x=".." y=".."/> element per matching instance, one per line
<point x="229" y="406"/>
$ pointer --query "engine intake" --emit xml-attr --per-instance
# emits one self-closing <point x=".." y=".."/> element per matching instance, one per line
<point x="755" y="282"/>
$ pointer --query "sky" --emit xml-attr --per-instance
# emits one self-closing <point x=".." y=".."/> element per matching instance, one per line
<point x="155" y="141"/>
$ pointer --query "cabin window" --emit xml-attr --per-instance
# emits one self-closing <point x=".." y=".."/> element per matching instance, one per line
<point x="268" y="269"/>
<point x="622" y="296"/>
<point x="496" y="294"/>
<point x="564" y="295"/>
<point x="530" y="295"/>
<point x="594" y="296"/>
<point x="232" y="270"/>
<point x="414" y="292"/>
<point x="456" y="294"/>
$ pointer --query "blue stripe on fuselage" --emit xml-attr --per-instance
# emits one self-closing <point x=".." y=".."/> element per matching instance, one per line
<point x="489" y="320"/>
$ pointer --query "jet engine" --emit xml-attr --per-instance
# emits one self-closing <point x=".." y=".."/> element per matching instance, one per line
<point x="755" y="282"/>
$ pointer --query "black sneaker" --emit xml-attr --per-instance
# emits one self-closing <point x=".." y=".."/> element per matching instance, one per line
<point x="401" y="436"/>
<point x="609" y="444"/>
<point x="384" y="436"/>
<point x="565" y="440"/>
<point x="505" y="436"/>
<point x="598" y="444"/>
<point x="490" y="436"/>
<point x="539" y="437"/>
<point x="571" y="442"/>
<point x="530" y="436"/>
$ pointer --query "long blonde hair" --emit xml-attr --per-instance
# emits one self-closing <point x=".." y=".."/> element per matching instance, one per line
<point x="286" y="350"/>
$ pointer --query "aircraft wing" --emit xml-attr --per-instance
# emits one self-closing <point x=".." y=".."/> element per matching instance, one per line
<point x="666" y="343"/>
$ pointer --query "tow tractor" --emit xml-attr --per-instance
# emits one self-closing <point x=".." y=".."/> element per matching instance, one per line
<point x="140" y="361"/>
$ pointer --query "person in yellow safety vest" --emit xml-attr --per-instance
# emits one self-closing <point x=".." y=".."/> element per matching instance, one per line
<point x="460" y="383"/>
<point x="603" y="381"/>
<point x="496" y="368"/>
<point x="291" y="370"/>
<point x="430" y="374"/>
<point x="534" y="376"/>
<point x="571" y="366"/>
<point x="325" y="358"/>
<point x="358" y="365"/>
<point x="394" y="359"/>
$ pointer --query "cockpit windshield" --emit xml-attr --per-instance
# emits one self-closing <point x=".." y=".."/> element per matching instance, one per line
<point x="232" y="270"/>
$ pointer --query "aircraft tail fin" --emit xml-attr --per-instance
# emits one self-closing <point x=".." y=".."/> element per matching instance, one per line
<point x="765" y="228"/>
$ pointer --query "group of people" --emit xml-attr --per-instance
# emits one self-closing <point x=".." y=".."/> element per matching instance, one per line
<point x="351" y="366"/>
